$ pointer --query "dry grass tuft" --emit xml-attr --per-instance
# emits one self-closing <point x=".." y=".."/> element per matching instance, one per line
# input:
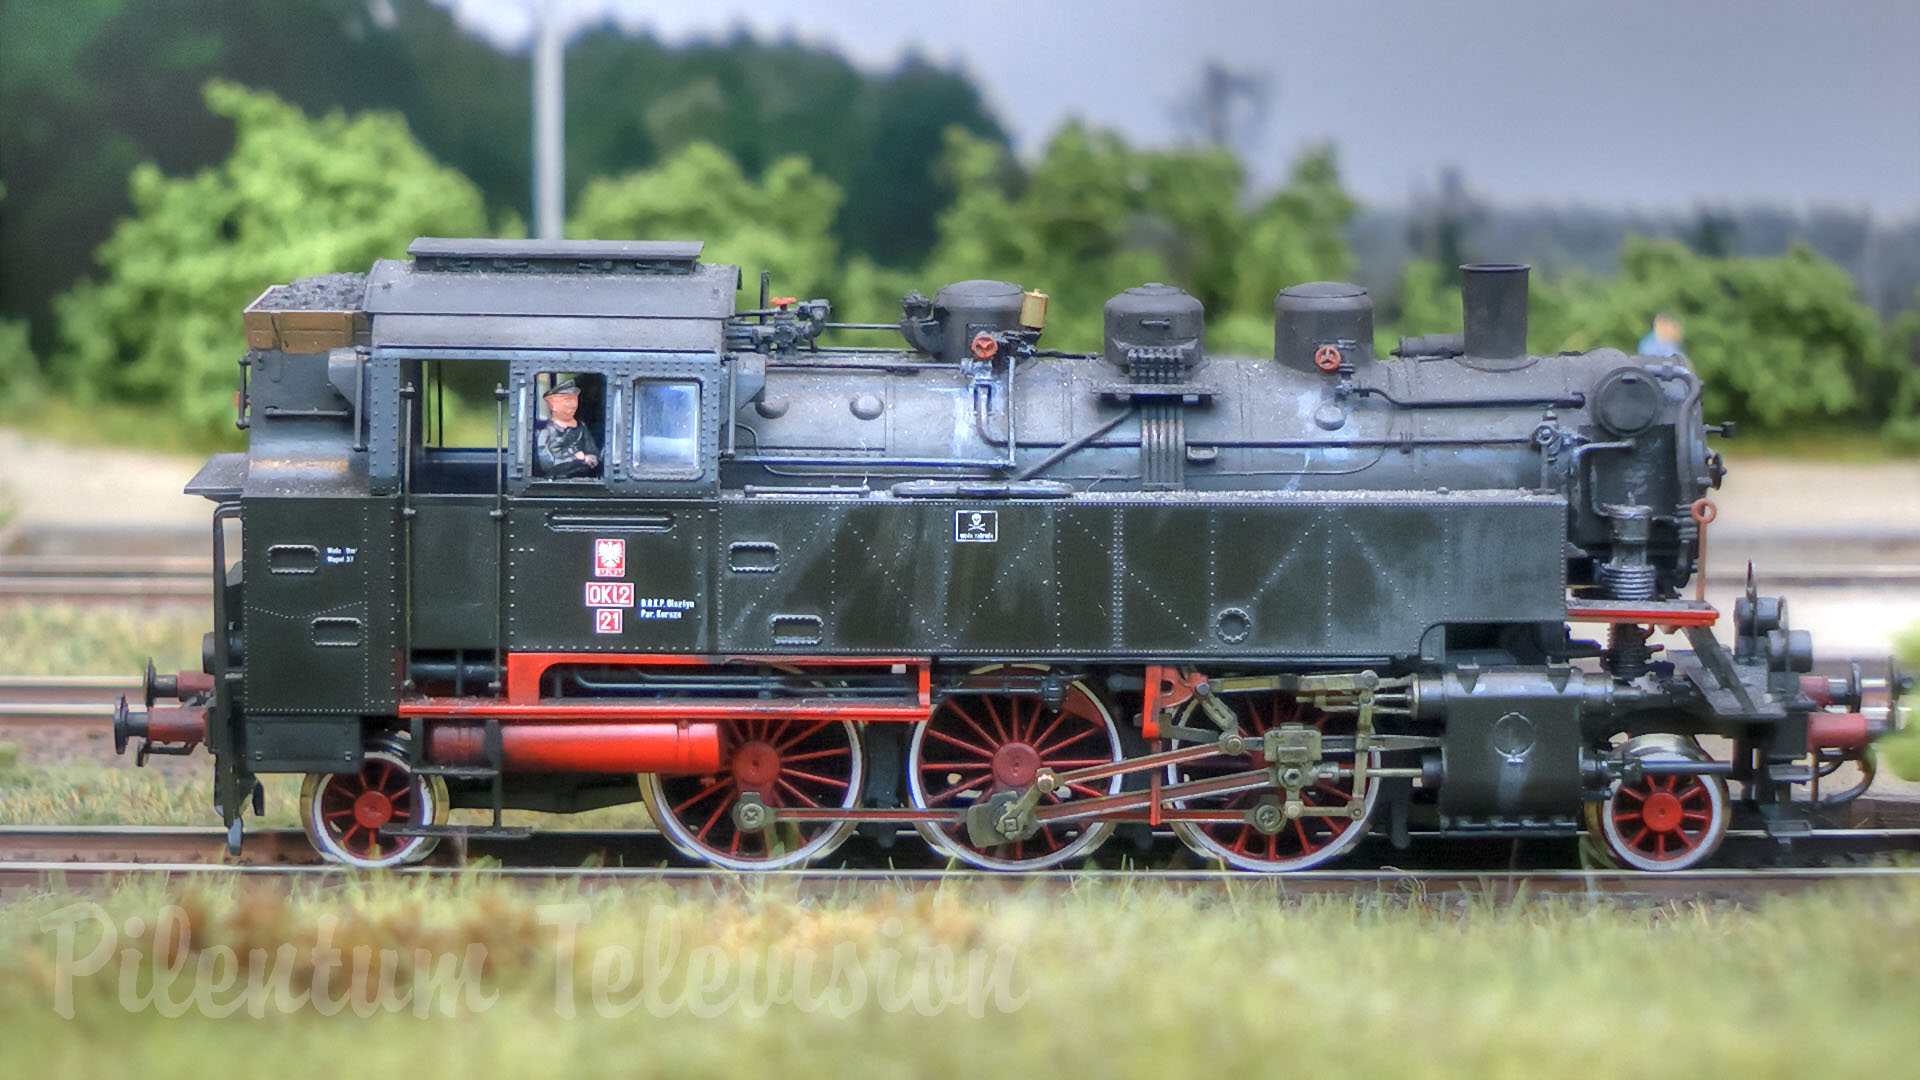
<point x="1139" y="979"/>
<point x="65" y="639"/>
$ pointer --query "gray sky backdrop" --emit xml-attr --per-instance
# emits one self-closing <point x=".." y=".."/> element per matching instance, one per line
<point x="1641" y="102"/>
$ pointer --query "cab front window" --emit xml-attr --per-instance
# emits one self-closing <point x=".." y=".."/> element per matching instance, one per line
<point x="666" y="428"/>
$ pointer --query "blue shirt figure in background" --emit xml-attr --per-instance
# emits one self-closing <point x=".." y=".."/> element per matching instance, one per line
<point x="1663" y="339"/>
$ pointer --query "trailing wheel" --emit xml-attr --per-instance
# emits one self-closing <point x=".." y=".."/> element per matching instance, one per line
<point x="732" y="818"/>
<point x="978" y="746"/>
<point x="1256" y="835"/>
<point x="1663" y="822"/>
<point x="346" y="814"/>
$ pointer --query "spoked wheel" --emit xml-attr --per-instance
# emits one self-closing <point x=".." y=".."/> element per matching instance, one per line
<point x="975" y="746"/>
<point x="346" y="814"/>
<point x="1663" y="822"/>
<point x="786" y="764"/>
<point x="1299" y="844"/>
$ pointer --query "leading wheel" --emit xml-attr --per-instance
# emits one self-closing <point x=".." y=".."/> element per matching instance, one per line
<point x="1299" y="844"/>
<point x="1663" y="822"/>
<point x="346" y="814"/>
<point x="778" y="764"/>
<point x="976" y="745"/>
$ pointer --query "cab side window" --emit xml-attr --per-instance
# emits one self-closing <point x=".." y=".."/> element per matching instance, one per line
<point x="569" y="425"/>
<point x="455" y="431"/>
<point x="666" y="429"/>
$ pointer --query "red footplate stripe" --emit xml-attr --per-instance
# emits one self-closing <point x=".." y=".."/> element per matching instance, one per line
<point x="662" y="711"/>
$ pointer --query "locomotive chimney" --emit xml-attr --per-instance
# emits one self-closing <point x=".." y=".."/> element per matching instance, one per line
<point x="1493" y="299"/>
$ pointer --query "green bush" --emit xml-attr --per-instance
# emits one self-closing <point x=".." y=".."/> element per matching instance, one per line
<point x="296" y="197"/>
<point x="1901" y="752"/>
<point x="1781" y="342"/>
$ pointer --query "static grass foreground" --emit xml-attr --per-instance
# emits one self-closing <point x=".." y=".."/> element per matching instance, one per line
<point x="88" y="793"/>
<point x="1127" y="980"/>
<point x="65" y="639"/>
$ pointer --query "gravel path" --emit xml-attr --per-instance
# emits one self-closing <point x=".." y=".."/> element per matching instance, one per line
<point x="48" y="483"/>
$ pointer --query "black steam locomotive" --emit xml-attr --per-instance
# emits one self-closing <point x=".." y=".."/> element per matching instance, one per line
<point x="783" y="588"/>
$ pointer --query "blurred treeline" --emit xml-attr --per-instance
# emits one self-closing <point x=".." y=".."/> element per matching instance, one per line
<point x="182" y="163"/>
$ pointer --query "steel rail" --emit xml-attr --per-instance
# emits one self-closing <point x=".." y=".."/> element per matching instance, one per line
<point x="104" y="565"/>
<point x="205" y="845"/>
<point x="98" y="589"/>
<point x="66" y="700"/>
<point x="67" y="683"/>
<point x="1628" y="887"/>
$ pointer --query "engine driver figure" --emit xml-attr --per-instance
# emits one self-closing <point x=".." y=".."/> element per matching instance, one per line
<point x="563" y="447"/>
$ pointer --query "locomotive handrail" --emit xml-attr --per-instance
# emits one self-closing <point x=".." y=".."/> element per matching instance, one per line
<point x="276" y="412"/>
<point x="1011" y="442"/>
<point x="1574" y="400"/>
<point x="405" y="569"/>
<point x="499" y="516"/>
<point x="242" y="400"/>
<point x="220" y="728"/>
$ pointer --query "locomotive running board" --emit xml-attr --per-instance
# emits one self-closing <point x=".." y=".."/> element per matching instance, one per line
<point x="662" y="710"/>
<point x="1643" y="612"/>
<point x="524" y="670"/>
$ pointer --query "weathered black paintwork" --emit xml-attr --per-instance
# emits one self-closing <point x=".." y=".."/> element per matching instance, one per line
<point x="1150" y="503"/>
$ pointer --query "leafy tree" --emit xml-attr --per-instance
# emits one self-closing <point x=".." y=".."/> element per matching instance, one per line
<point x="297" y="197"/>
<point x="1297" y="234"/>
<point x="782" y="223"/>
<point x="1096" y="216"/>
<point x="1779" y="341"/>
<point x="1901" y="751"/>
<point x="91" y="88"/>
<point x="18" y="368"/>
<point x="1903" y="355"/>
<point x="633" y="103"/>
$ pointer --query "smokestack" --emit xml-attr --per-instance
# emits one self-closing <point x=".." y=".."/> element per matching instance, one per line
<point x="1493" y="298"/>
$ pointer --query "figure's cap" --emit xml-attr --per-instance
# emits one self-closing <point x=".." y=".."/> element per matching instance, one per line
<point x="564" y="386"/>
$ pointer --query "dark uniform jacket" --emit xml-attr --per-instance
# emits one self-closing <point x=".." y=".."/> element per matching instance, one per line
<point x="554" y="447"/>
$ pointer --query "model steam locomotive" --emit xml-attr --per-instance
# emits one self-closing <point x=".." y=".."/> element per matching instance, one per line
<point x="1013" y="598"/>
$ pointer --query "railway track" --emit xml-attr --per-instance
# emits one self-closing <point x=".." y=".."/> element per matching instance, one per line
<point x="80" y="579"/>
<point x="1630" y="888"/>
<point x="70" y="700"/>
<point x="43" y="857"/>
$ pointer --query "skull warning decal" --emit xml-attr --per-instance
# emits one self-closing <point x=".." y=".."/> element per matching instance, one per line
<point x="976" y="526"/>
